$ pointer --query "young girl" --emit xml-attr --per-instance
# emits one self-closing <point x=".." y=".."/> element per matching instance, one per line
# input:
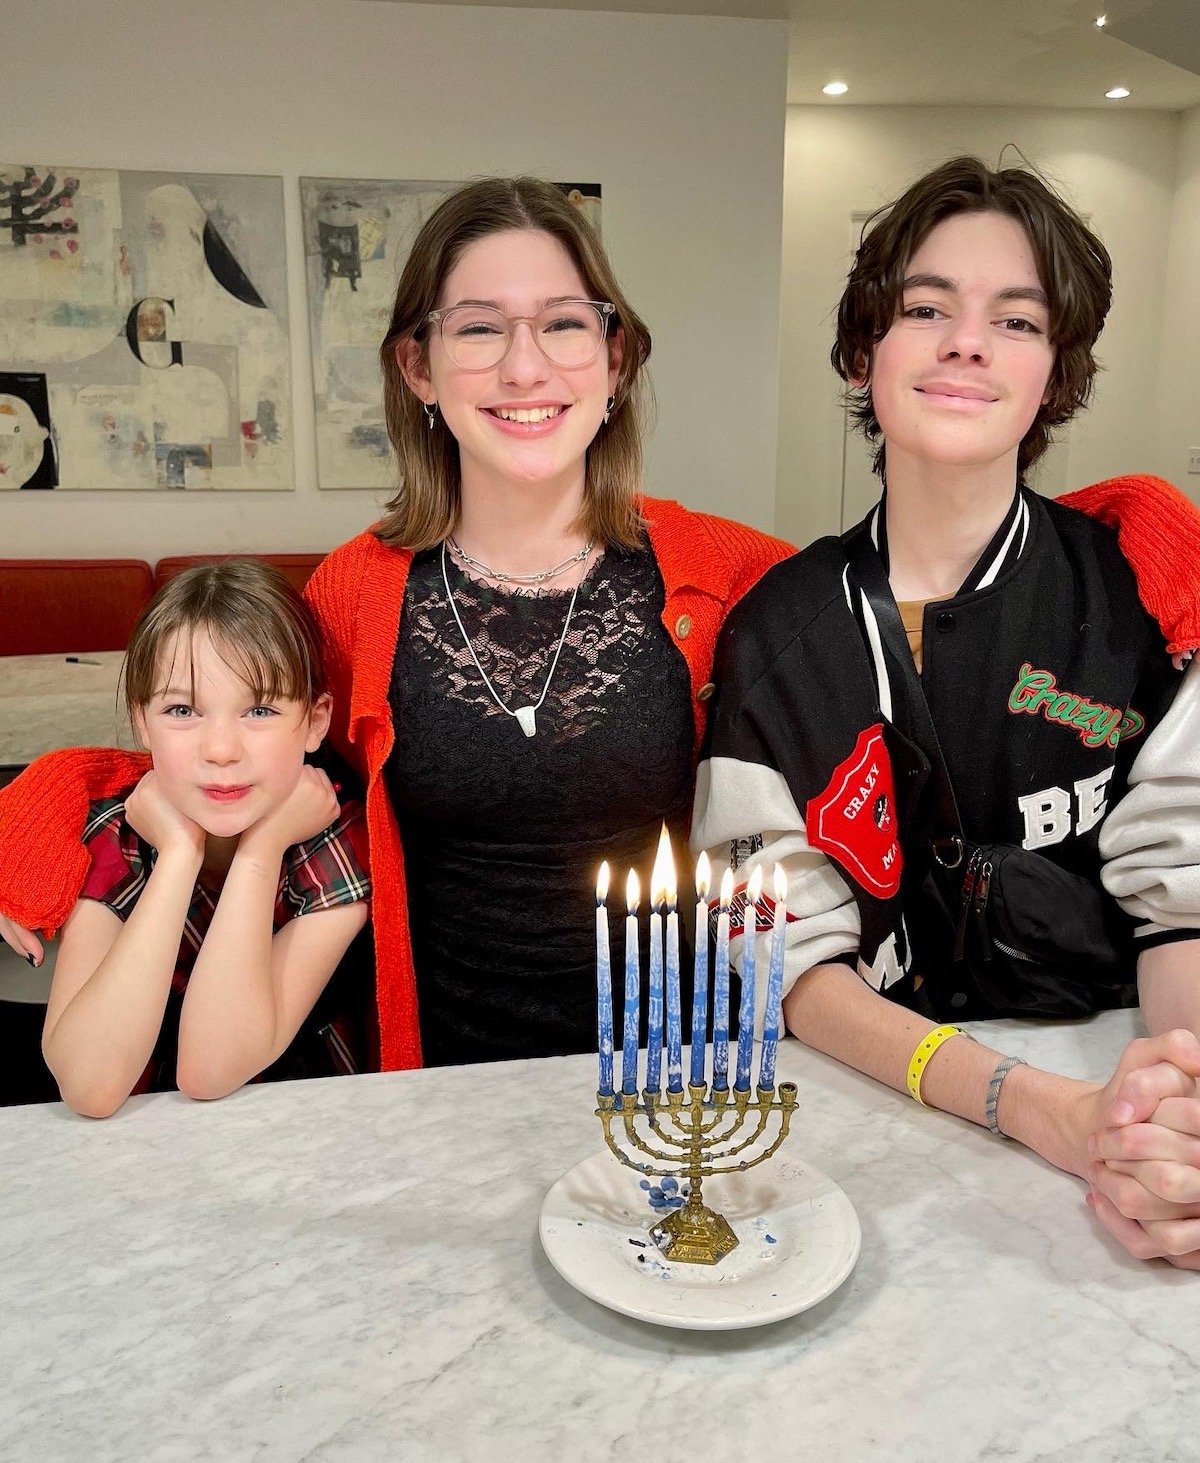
<point x="228" y="877"/>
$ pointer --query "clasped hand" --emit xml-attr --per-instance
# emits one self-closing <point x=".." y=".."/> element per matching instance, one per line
<point x="1144" y="1152"/>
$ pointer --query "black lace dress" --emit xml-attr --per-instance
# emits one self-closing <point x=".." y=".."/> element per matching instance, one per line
<point x="503" y="834"/>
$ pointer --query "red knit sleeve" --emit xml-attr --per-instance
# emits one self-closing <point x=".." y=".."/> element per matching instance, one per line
<point x="42" y="862"/>
<point x="329" y="595"/>
<point x="1158" y="530"/>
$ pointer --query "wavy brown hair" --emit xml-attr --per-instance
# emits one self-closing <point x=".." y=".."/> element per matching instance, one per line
<point x="260" y="626"/>
<point x="426" y="505"/>
<point x="1073" y="267"/>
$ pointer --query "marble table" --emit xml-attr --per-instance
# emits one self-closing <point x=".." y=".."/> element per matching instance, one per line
<point x="47" y="702"/>
<point x="350" y="1270"/>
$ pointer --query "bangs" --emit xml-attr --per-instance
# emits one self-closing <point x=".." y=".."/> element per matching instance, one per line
<point x="267" y="674"/>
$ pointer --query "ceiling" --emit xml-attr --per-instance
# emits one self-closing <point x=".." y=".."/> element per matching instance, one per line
<point x="1043" y="53"/>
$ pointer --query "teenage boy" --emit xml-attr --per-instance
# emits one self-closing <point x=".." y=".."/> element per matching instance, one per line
<point x="959" y="731"/>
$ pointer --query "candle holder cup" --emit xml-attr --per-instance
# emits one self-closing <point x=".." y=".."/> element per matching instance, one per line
<point x="691" y="1137"/>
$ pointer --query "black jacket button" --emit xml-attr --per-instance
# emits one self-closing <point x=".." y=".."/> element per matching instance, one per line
<point x="945" y="621"/>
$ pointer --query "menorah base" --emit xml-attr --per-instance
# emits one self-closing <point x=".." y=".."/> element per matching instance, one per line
<point x="694" y="1235"/>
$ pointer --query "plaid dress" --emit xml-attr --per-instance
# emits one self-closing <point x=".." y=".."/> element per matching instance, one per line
<point x="321" y="873"/>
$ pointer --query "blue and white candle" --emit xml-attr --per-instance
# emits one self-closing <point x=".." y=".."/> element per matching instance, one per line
<point x="659" y="877"/>
<point x="674" y="999"/>
<point x="633" y="988"/>
<point x="604" y="1005"/>
<point x="700" y="973"/>
<point x="654" y="1015"/>
<point x="749" y="974"/>
<point x="772" y="1015"/>
<point x="721" y="987"/>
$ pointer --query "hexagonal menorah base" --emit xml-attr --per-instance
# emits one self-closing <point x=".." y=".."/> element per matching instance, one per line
<point x="695" y="1235"/>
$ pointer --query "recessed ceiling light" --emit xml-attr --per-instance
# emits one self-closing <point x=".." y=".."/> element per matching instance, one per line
<point x="835" y="89"/>
<point x="1117" y="93"/>
<point x="1101" y="21"/>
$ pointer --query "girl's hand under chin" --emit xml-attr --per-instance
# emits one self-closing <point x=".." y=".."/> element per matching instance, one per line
<point x="309" y="809"/>
<point x="158" y="821"/>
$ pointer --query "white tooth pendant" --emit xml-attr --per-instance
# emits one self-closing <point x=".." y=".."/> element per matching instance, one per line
<point x="525" y="715"/>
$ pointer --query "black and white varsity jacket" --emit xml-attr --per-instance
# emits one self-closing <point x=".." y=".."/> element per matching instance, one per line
<point x="1064" y="727"/>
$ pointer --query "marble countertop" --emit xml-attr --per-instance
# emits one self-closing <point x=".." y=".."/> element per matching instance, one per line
<point x="47" y="702"/>
<point x="350" y="1270"/>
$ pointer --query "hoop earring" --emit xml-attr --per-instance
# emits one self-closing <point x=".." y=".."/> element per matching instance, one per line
<point x="430" y="410"/>
<point x="608" y="407"/>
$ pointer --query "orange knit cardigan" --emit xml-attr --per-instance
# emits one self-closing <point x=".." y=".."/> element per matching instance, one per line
<point x="707" y="564"/>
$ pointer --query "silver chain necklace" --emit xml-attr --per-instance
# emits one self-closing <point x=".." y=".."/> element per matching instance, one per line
<point x="525" y="715"/>
<point x="543" y="577"/>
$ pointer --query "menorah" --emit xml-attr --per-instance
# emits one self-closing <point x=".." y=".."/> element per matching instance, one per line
<point x="712" y="1128"/>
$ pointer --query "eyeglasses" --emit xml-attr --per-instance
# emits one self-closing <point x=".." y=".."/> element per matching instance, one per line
<point x="569" y="333"/>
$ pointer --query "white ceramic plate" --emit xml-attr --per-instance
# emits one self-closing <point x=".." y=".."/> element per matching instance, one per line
<point x="798" y="1233"/>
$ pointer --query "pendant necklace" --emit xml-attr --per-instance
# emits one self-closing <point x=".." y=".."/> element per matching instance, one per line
<point x="526" y="716"/>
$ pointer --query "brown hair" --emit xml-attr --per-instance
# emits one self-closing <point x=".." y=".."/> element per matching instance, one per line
<point x="262" y="628"/>
<point x="426" y="505"/>
<point x="1073" y="266"/>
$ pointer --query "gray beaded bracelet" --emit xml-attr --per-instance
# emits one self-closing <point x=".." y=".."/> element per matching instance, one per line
<point x="1003" y="1068"/>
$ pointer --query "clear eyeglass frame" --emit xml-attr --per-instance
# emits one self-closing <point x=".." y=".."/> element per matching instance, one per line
<point x="467" y="356"/>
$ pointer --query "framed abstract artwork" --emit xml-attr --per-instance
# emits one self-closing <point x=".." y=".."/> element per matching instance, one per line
<point x="357" y="236"/>
<point x="143" y="331"/>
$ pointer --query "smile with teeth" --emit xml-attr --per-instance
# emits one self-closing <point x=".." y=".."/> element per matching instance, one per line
<point x="526" y="415"/>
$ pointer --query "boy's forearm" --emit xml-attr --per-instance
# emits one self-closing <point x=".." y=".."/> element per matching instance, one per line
<point x="832" y="1009"/>
<point x="102" y="1040"/>
<point x="229" y="1023"/>
<point x="1169" y="986"/>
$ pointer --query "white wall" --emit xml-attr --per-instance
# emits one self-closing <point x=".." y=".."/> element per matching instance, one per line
<point x="1118" y="167"/>
<point x="680" y="118"/>
<point x="1178" y="422"/>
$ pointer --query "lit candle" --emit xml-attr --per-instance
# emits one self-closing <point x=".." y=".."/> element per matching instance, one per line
<point x="674" y="1000"/>
<point x="604" y="1009"/>
<point x="633" y="987"/>
<point x="700" y="974"/>
<point x="766" y="1067"/>
<point x="721" y="988"/>
<point x="749" y="973"/>
<point x="654" y="1022"/>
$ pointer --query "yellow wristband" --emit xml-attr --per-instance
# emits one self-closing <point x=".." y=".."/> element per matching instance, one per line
<point x="925" y="1049"/>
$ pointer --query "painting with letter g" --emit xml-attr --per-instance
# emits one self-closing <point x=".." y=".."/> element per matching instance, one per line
<point x="144" y="328"/>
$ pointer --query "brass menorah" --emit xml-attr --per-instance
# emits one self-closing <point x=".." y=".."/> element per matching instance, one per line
<point x="692" y="1137"/>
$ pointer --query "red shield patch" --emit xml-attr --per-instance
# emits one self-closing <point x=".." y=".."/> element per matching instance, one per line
<point x="854" y="819"/>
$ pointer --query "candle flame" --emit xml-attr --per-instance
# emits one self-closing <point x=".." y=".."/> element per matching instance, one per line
<point x="602" y="883"/>
<point x="726" y="888"/>
<point x="662" y="876"/>
<point x="633" y="891"/>
<point x="780" y="885"/>
<point x="703" y="876"/>
<point x="754" y="887"/>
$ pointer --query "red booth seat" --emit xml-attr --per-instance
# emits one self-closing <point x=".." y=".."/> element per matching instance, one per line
<point x="55" y="606"/>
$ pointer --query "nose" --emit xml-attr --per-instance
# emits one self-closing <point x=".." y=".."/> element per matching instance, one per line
<point x="966" y="337"/>
<point x="525" y="364"/>
<point x="221" y="744"/>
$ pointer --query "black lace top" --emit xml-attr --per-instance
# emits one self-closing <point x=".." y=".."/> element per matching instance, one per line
<point x="503" y="834"/>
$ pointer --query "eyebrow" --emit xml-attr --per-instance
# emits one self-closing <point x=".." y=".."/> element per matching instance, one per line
<point x="496" y="305"/>
<point x="1014" y="292"/>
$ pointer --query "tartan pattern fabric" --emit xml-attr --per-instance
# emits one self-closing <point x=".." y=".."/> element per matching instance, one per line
<point x="321" y="873"/>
